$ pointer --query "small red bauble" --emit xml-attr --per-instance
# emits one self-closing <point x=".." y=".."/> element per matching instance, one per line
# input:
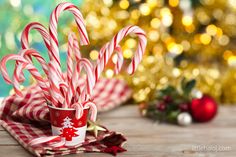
<point x="203" y="109"/>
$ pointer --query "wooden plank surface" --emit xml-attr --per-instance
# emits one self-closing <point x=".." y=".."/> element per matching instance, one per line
<point x="149" y="139"/>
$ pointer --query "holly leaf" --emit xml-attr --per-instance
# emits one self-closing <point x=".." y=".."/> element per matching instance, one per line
<point x="172" y="116"/>
<point x="167" y="91"/>
<point x="189" y="86"/>
<point x="183" y="83"/>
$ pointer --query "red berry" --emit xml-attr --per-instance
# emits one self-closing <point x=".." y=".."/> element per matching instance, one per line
<point x="184" y="107"/>
<point x="161" y="106"/>
<point x="167" y="99"/>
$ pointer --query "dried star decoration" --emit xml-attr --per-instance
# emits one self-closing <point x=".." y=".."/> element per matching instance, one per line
<point x="95" y="128"/>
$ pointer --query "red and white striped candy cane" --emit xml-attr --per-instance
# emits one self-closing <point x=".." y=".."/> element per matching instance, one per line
<point x="72" y="47"/>
<point x="55" y="85"/>
<point x="25" y="39"/>
<point x="25" y="65"/>
<point x="76" y="48"/>
<point x="79" y="110"/>
<point x="114" y="43"/>
<point x="55" y="58"/>
<point x="53" y="29"/>
<point x="120" y="58"/>
<point x="90" y="79"/>
<point x="70" y="57"/>
<point x="93" y="109"/>
<point x="33" y="53"/>
<point x="40" y="28"/>
<point x="87" y="90"/>
<point x="53" y="141"/>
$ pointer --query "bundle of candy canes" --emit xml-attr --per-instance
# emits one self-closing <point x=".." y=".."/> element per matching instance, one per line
<point x="62" y="89"/>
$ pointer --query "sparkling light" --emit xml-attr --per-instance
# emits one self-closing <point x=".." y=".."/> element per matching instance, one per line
<point x="10" y="41"/>
<point x="187" y="20"/>
<point x="128" y="53"/>
<point x="109" y="73"/>
<point x="205" y="39"/>
<point x="232" y="3"/>
<point x="153" y="35"/>
<point x="232" y="61"/>
<point x="93" y="54"/>
<point x="175" y="49"/>
<point x="227" y="54"/>
<point x="124" y="4"/>
<point x="15" y="3"/>
<point x="130" y="43"/>
<point x="223" y="40"/>
<point x="186" y="45"/>
<point x="167" y="17"/>
<point x="114" y="58"/>
<point x="152" y="3"/>
<point x="174" y="3"/>
<point x="155" y="23"/>
<point x="108" y="2"/>
<point x="219" y="32"/>
<point x="211" y="30"/>
<point x="135" y="14"/>
<point x="144" y="9"/>
<point x="176" y="72"/>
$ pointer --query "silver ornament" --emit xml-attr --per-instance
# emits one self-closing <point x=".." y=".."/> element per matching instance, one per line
<point x="184" y="119"/>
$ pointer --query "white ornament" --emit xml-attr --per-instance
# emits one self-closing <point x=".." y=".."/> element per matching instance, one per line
<point x="196" y="93"/>
<point x="184" y="119"/>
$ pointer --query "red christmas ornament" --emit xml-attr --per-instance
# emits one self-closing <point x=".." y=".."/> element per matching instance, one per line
<point x="203" y="109"/>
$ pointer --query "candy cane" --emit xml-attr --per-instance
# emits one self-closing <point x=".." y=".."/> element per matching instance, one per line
<point x="34" y="53"/>
<point x="53" y="29"/>
<point x="120" y="58"/>
<point x="55" y="58"/>
<point x="40" y="28"/>
<point x="42" y="83"/>
<point x="72" y="47"/>
<point x="76" y="47"/>
<point x="55" y="82"/>
<point x="79" y="110"/>
<point x="87" y="90"/>
<point x="114" y="43"/>
<point x="57" y="141"/>
<point x="70" y="57"/>
<point x="93" y="108"/>
<point x="90" y="79"/>
<point x="25" y="40"/>
<point x="26" y="65"/>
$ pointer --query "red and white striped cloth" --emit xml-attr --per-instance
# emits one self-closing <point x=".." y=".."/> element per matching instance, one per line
<point x="26" y="118"/>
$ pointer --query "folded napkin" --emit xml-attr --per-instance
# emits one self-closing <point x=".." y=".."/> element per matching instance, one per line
<point x="27" y="118"/>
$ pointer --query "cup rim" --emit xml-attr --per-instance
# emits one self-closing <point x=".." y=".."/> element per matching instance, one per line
<point x="68" y="109"/>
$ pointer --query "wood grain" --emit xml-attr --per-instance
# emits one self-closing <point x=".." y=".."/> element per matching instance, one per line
<point x="151" y="139"/>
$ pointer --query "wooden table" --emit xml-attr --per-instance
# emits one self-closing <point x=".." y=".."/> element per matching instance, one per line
<point x="149" y="139"/>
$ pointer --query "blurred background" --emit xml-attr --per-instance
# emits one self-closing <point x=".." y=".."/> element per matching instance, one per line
<point x="186" y="38"/>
